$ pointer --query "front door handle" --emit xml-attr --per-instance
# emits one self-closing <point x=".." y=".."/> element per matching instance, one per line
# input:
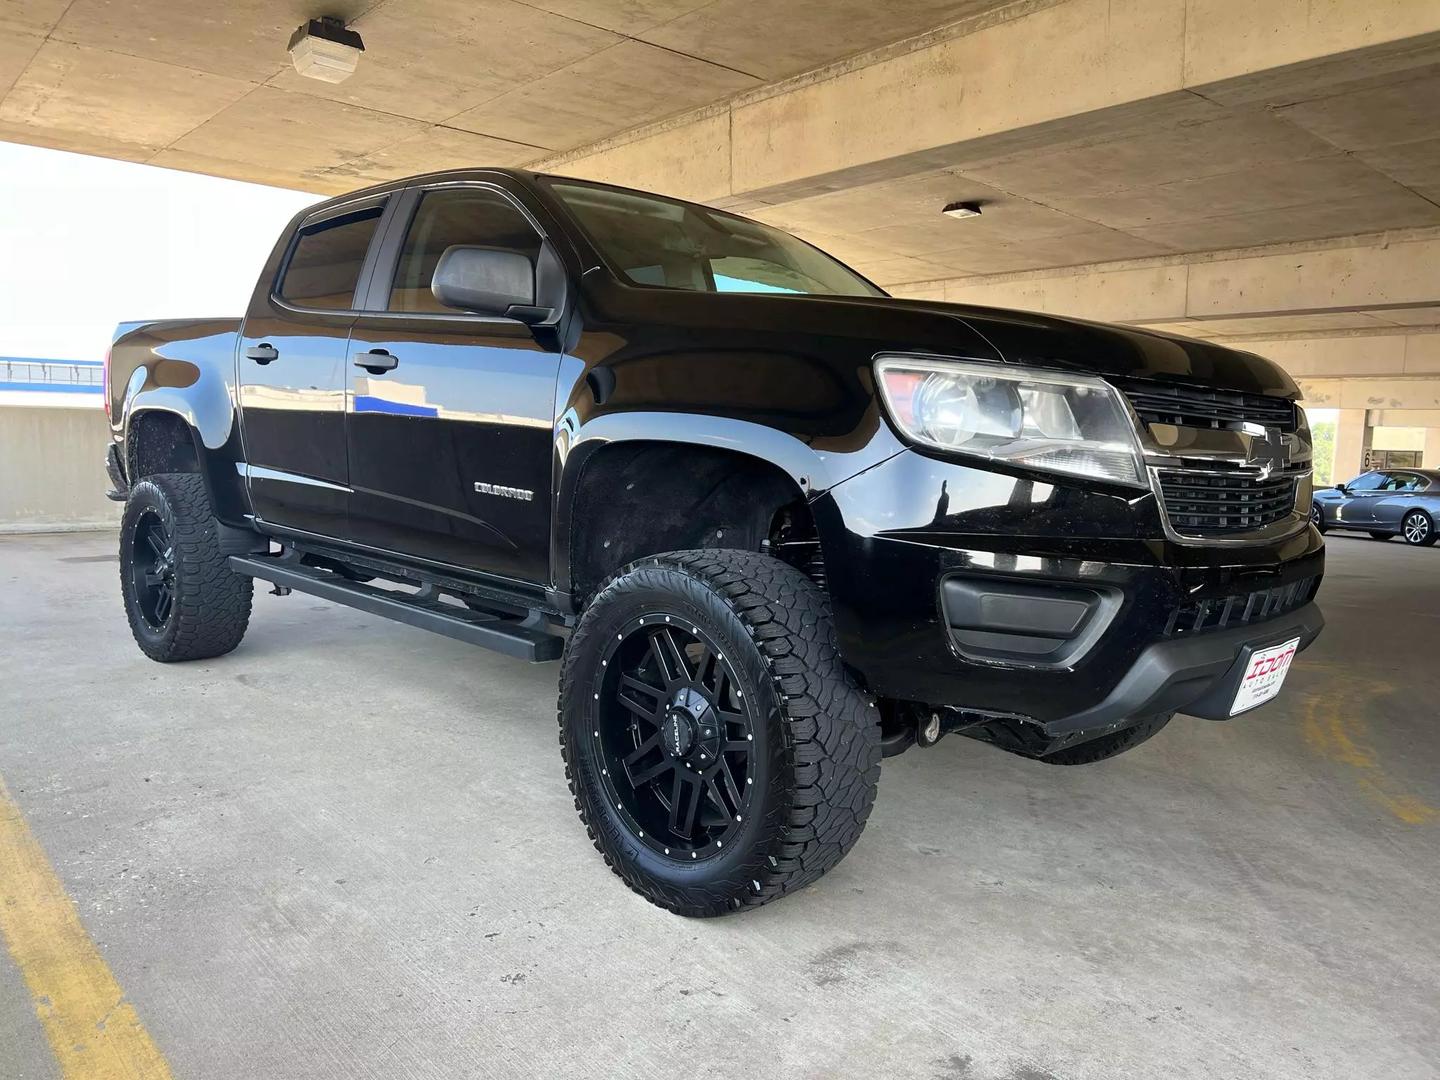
<point x="376" y="361"/>
<point x="262" y="353"/>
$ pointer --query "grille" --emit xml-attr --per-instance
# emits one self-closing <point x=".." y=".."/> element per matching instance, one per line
<point x="1211" y="504"/>
<point x="1190" y="406"/>
<point x="1222" y="612"/>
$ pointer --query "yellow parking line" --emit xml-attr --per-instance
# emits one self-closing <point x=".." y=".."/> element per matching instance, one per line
<point x="1333" y="728"/>
<point x="93" y="1031"/>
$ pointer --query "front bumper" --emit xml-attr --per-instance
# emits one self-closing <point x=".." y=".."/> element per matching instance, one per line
<point x="1062" y="607"/>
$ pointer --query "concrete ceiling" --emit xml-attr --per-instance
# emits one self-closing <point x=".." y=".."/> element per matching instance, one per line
<point x="444" y="83"/>
<point x="1360" y="159"/>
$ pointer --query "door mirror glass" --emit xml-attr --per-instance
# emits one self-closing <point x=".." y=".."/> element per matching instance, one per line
<point x="484" y="280"/>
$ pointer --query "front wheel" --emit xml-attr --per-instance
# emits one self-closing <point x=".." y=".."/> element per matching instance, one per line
<point x="718" y="752"/>
<point x="1418" y="529"/>
<point x="182" y="600"/>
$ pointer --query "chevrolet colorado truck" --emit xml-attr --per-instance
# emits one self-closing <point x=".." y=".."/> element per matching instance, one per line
<point x="774" y="523"/>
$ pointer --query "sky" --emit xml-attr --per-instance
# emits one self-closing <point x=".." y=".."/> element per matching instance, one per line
<point x="86" y="242"/>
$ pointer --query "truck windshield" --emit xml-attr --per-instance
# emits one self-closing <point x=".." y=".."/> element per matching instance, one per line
<point x="678" y="245"/>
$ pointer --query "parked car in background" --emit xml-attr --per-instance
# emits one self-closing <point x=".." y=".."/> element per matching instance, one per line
<point x="1383" y="503"/>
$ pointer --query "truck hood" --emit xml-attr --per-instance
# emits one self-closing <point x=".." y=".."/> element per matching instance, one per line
<point x="1024" y="337"/>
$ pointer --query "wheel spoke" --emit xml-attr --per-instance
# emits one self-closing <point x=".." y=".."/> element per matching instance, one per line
<point x="668" y="655"/>
<point x="640" y="777"/>
<point x="736" y="746"/>
<point x="632" y="683"/>
<point x="640" y="751"/>
<point x="156" y="545"/>
<point x="162" y="604"/>
<point x="713" y="790"/>
<point x="644" y="712"/>
<point x="727" y="778"/>
<point x="685" y="800"/>
<point x="153" y="578"/>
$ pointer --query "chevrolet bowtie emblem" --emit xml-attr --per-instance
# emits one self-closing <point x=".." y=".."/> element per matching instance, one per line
<point x="1268" y="449"/>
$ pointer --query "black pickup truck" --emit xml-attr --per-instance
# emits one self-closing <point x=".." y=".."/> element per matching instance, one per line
<point x="775" y="523"/>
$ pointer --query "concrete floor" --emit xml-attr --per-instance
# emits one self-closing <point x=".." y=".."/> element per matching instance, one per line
<point x="347" y="850"/>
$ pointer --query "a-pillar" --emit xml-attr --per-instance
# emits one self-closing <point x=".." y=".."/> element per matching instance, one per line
<point x="1352" y="444"/>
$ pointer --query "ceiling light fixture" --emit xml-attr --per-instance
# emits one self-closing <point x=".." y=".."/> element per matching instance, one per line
<point x="962" y="210"/>
<point x="323" y="49"/>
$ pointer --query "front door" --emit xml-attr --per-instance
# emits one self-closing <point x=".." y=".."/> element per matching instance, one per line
<point x="451" y="415"/>
<point x="294" y="370"/>
<point x="1354" y="509"/>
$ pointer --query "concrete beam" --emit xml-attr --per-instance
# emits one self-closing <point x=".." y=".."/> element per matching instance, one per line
<point x="981" y="84"/>
<point x="1358" y="282"/>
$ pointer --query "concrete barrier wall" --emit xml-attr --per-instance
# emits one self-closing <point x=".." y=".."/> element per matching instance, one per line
<point x="52" y="471"/>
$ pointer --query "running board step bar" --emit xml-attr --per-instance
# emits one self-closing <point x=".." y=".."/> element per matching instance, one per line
<point x="524" y="639"/>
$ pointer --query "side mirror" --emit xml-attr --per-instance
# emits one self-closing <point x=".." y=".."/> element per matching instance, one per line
<point x="1341" y="488"/>
<point x="486" y="281"/>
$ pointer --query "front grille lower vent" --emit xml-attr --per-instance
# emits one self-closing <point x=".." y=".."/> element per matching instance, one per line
<point x="1240" y="609"/>
<point x="1194" y="406"/>
<point x="1216" y="503"/>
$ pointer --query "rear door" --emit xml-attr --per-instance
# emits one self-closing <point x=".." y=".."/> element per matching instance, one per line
<point x="293" y="369"/>
<point x="451" y="427"/>
<point x="1396" y="496"/>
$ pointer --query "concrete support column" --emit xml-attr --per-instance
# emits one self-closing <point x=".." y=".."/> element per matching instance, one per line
<point x="1352" y="444"/>
<point x="1430" y="456"/>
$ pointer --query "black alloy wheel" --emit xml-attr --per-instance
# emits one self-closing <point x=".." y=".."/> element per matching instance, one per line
<point x="152" y="569"/>
<point x="182" y="600"/>
<point x="675" y="736"/>
<point x="719" y="753"/>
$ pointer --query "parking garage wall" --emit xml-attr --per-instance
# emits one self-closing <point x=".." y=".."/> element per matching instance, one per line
<point x="52" y="474"/>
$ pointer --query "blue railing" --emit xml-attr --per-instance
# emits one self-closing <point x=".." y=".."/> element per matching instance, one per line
<point x="52" y="376"/>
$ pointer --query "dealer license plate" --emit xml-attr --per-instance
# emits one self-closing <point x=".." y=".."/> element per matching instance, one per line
<point x="1265" y="675"/>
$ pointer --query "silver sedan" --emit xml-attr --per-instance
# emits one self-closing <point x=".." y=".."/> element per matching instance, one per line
<point x="1383" y="503"/>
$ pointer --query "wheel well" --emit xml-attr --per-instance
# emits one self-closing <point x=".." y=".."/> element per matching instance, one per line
<point x="159" y="442"/>
<point x="641" y="498"/>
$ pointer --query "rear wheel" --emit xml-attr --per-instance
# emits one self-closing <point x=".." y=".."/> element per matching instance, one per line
<point x="1107" y="746"/>
<point x="1418" y="529"/>
<point x="182" y="600"/>
<point x="719" y="754"/>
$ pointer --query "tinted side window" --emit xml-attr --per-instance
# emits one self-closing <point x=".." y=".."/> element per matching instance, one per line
<point x="1369" y="482"/>
<point x="324" y="267"/>
<point x="443" y="219"/>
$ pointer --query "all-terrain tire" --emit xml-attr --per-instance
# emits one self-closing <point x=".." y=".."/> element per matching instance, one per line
<point x="817" y="735"/>
<point x="209" y="607"/>
<point x="1107" y="746"/>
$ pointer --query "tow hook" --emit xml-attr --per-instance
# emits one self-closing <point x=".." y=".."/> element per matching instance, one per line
<point x="280" y="590"/>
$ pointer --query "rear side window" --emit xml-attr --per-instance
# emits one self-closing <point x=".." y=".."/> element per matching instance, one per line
<point x="452" y="216"/>
<point x="325" y="264"/>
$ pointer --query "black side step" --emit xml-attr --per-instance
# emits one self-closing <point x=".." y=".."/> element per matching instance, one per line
<point x="525" y="639"/>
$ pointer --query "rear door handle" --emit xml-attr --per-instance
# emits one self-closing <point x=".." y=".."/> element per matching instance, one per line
<point x="262" y="353"/>
<point x="376" y="361"/>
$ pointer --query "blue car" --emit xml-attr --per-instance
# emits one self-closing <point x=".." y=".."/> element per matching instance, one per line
<point x="1383" y="503"/>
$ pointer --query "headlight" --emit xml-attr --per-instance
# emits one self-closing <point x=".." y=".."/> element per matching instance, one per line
<point x="1036" y="419"/>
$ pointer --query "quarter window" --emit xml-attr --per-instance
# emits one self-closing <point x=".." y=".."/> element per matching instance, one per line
<point x="325" y="266"/>
<point x="469" y="216"/>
